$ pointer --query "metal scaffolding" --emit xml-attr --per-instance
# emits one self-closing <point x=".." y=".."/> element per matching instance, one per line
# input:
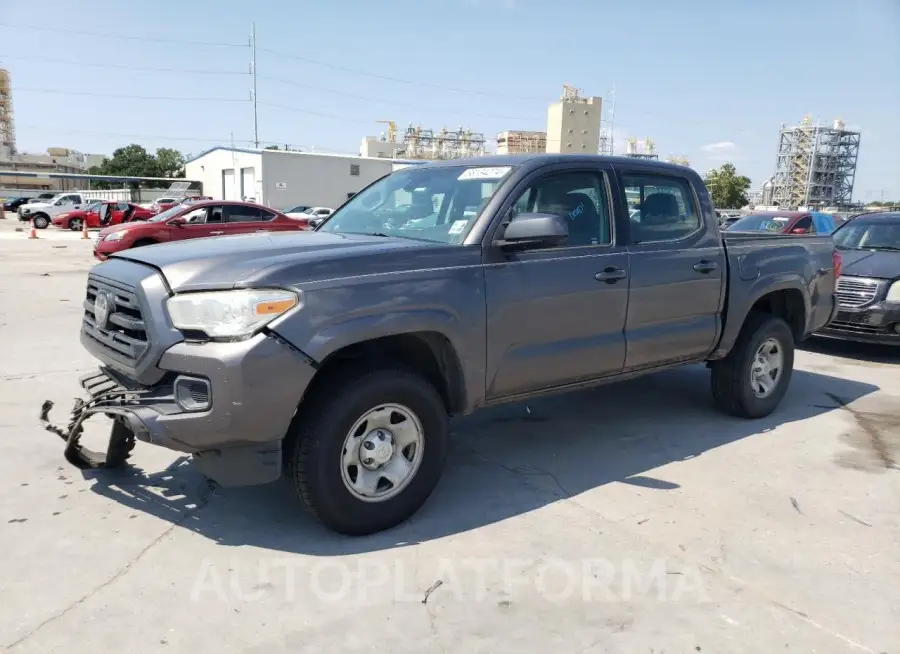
<point x="421" y="143"/>
<point x="7" y="126"/>
<point x="816" y="166"/>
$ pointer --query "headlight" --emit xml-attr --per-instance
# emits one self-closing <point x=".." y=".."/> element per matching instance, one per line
<point x="230" y="314"/>
<point x="115" y="236"/>
<point x="62" y="216"/>
<point x="893" y="294"/>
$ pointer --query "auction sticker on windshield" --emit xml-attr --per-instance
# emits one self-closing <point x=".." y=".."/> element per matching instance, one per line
<point x="458" y="226"/>
<point x="485" y="172"/>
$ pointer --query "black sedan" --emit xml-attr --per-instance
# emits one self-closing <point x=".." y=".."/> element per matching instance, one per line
<point x="868" y="289"/>
<point x="13" y="204"/>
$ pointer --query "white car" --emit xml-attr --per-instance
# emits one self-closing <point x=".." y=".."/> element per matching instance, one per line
<point x="305" y="212"/>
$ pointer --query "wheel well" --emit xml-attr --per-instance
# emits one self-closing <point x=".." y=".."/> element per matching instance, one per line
<point x="428" y="353"/>
<point x="787" y="304"/>
<point x="143" y="241"/>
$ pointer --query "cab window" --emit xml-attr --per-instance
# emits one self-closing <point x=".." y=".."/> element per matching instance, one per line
<point x="577" y="197"/>
<point x="661" y="208"/>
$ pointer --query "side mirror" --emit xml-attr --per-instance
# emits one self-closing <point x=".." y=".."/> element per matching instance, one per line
<point x="177" y="222"/>
<point x="530" y="230"/>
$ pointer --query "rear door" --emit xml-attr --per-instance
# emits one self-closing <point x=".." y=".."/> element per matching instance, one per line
<point x="242" y="219"/>
<point x="677" y="271"/>
<point x="556" y="314"/>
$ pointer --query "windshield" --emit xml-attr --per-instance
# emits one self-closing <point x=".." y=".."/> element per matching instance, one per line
<point x="868" y="235"/>
<point x="757" y="223"/>
<point x="167" y="214"/>
<point x="437" y="204"/>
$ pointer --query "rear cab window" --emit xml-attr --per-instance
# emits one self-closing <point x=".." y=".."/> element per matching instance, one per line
<point x="660" y="207"/>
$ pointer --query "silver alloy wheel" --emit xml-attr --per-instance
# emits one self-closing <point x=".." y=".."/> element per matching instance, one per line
<point x="382" y="452"/>
<point x="766" y="368"/>
<point x="76" y="224"/>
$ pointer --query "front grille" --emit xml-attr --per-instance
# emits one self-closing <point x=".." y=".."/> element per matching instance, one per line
<point x="856" y="291"/>
<point x="860" y="328"/>
<point x="124" y="334"/>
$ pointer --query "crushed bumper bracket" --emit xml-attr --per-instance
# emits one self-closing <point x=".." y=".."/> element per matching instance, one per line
<point x="107" y="397"/>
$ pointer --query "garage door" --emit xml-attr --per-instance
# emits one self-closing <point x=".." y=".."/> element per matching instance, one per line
<point x="229" y="190"/>
<point x="248" y="183"/>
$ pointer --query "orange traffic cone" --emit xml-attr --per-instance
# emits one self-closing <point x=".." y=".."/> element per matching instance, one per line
<point x="84" y="231"/>
<point x="33" y="232"/>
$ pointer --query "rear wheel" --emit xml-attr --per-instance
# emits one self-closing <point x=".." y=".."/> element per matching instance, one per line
<point x="76" y="224"/>
<point x="369" y="450"/>
<point x="755" y="375"/>
<point x="41" y="221"/>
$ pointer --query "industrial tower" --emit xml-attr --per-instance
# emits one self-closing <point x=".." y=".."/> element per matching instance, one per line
<point x="7" y="128"/>
<point x="816" y="166"/>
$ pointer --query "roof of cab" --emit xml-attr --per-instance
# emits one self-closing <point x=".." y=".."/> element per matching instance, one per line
<point x="540" y="159"/>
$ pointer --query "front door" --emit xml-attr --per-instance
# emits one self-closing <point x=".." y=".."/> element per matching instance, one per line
<point x="243" y="219"/>
<point x="677" y="272"/>
<point x="198" y="223"/>
<point x="556" y="315"/>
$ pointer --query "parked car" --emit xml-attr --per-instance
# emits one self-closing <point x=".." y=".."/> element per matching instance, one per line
<point x="337" y="355"/>
<point x="298" y="211"/>
<point x="42" y="213"/>
<point x="785" y="222"/>
<point x="868" y="291"/>
<point x="13" y="204"/>
<point x="191" y="221"/>
<point x="163" y="204"/>
<point x="101" y="214"/>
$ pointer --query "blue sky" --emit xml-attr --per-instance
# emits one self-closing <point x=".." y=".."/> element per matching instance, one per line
<point x="709" y="80"/>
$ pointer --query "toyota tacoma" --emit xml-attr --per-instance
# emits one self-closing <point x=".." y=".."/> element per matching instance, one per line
<point x="336" y="356"/>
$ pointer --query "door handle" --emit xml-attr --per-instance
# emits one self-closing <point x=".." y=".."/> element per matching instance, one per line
<point x="610" y="275"/>
<point x="216" y="233"/>
<point x="705" y="266"/>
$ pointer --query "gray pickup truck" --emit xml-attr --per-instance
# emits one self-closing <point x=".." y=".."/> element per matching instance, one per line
<point x="338" y="355"/>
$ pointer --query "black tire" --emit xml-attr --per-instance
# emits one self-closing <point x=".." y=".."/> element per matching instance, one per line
<point x="731" y="376"/>
<point x="40" y="221"/>
<point x="76" y="224"/>
<point x="313" y="448"/>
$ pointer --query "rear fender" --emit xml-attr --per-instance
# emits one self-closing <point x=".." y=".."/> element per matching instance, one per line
<point x="741" y="300"/>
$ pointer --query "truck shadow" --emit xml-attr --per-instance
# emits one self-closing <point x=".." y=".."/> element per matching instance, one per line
<point x="503" y="462"/>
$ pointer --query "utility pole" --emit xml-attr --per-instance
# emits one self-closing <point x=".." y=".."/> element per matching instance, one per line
<point x="612" y="124"/>
<point x="253" y="90"/>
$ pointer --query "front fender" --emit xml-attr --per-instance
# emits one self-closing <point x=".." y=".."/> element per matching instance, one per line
<point x="448" y="302"/>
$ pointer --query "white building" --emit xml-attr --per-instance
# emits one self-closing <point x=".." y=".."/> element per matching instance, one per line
<point x="573" y="123"/>
<point x="284" y="179"/>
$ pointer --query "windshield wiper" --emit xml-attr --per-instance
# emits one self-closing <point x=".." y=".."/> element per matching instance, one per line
<point x="894" y="248"/>
<point x="379" y="234"/>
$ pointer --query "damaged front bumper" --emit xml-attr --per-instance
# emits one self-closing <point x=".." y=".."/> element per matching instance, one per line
<point x="106" y="396"/>
<point x="229" y="405"/>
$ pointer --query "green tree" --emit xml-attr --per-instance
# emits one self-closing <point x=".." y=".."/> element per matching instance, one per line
<point x="170" y="162"/>
<point x="134" y="161"/>
<point x="728" y="189"/>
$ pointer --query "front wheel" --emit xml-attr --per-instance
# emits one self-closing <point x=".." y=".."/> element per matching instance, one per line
<point x="76" y="224"/>
<point x="752" y="379"/>
<point x="369" y="450"/>
<point x="40" y="221"/>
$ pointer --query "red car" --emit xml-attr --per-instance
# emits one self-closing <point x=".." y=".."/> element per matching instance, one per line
<point x="207" y="218"/>
<point x="785" y="222"/>
<point x="119" y="212"/>
<point x="164" y="204"/>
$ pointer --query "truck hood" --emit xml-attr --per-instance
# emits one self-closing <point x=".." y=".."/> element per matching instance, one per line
<point x="871" y="263"/>
<point x="35" y="206"/>
<point x="284" y="258"/>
